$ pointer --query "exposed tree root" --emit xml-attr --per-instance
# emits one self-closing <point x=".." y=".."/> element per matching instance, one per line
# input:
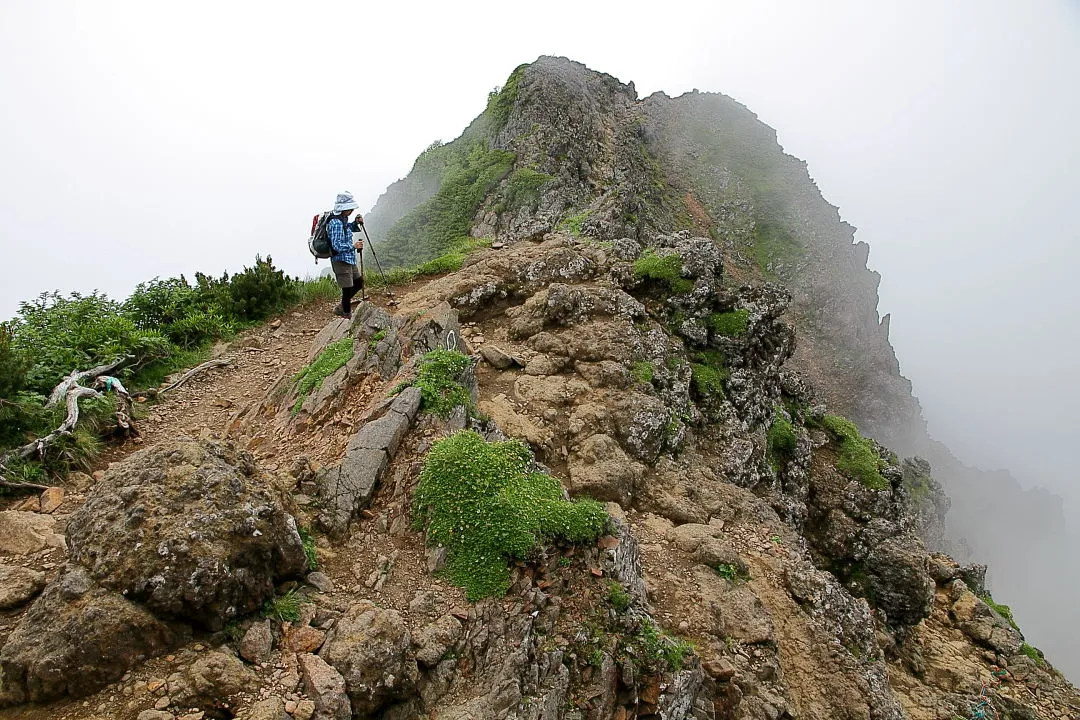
<point x="209" y="364"/>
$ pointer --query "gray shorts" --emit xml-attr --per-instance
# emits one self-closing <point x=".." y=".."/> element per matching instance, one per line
<point x="346" y="275"/>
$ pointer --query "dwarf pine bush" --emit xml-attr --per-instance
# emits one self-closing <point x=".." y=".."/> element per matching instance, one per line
<point x="481" y="501"/>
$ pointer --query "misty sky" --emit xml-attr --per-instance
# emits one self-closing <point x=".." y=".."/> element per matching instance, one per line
<point x="141" y="140"/>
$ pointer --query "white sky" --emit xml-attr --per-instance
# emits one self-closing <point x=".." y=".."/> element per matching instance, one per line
<point x="141" y="140"/>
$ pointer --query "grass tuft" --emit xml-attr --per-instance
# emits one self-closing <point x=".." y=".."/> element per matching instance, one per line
<point x="438" y="376"/>
<point x="729" y="324"/>
<point x="330" y="360"/>
<point x="285" y="608"/>
<point x="665" y="269"/>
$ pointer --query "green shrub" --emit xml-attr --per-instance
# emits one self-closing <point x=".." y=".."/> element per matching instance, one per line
<point x="1034" y="653"/>
<point x="329" y="361"/>
<point x="523" y="188"/>
<point x="251" y="295"/>
<point x="482" y="503"/>
<point x="729" y="324"/>
<point x="663" y="269"/>
<point x="730" y="572"/>
<point x="438" y="377"/>
<point x="501" y="100"/>
<point x="14" y="363"/>
<point x="658" y="650"/>
<point x="642" y="372"/>
<point x="1003" y="610"/>
<point x="858" y="457"/>
<point x="309" y="548"/>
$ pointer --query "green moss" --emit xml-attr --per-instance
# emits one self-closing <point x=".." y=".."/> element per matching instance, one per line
<point x="330" y="360"/>
<point x="437" y="376"/>
<point x="1034" y="653"/>
<point x="663" y="269"/>
<point x="573" y="223"/>
<point x="729" y="324"/>
<point x="482" y="503"/>
<point x="376" y="338"/>
<point x="780" y="440"/>
<point x="642" y="372"/>
<point x="708" y="380"/>
<point x="1003" y="610"/>
<point x="285" y="608"/>
<point x="858" y="457"/>
<point x="730" y="572"/>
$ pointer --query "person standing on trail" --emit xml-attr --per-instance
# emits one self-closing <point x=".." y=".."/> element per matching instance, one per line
<point x="339" y="230"/>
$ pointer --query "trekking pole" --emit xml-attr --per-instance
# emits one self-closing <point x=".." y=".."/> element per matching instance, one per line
<point x="363" y="285"/>
<point x="378" y="264"/>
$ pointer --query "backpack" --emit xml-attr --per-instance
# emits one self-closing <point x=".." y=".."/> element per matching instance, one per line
<point x="319" y="241"/>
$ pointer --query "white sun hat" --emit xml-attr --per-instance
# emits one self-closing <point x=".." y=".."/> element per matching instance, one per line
<point x="345" y="202"/>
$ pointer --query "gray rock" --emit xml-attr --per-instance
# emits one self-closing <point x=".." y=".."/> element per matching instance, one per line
<point x="371" y="648"/>
<point x="320" y="581"/>
<point x="213" y="677"/>
<point x="272" y="708"/>
<point x="74" y="646"/>
<point x="896" y="571"/>
<point x="325" y="685"/>
<point x="435" y="639"/>
<point x="384" y="433"/>
<point x="188" y="529"/>
<point x="349" y="487"/>
<point x="407" y="402"/>
<point x="18" y="585"/>
<point x="498" y="358"/>
<point x="156" y="715"/>
<point x="257" y="643"/>
<point x="22" y="533"/>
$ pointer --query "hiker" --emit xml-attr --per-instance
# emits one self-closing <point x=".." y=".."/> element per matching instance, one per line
<point x="343" y="261"/>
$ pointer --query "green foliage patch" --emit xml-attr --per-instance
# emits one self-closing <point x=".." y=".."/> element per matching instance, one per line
<point x="708" y="379"/>
<point x="729" y="324"/>
<point x="309" y="548"/>
<point x="523" y="189"/>
<point x="665" y="269"/>
<point x="481" y="501"/>
<point x="617" y="597"/>
<point x="1003" y="610"/>
<point x="438" y="377"/>
<point x="574" y="223"/>
<point x="329" y="361"/>
<point x="780" y="440"/>
<point x="642" y="372"/>
<point x="252" y="295"/>
<point x="660" y="650"/>
<point x="1034" y="653"/>
<point x="858" y="457"/>
<point x="501" y="100"/>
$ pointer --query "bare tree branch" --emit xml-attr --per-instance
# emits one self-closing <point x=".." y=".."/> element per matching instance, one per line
<point x="221" y="362"/>
<point x="77" y="376"/>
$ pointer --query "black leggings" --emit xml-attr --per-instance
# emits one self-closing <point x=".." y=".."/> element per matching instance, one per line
<point x="347" y="295"/>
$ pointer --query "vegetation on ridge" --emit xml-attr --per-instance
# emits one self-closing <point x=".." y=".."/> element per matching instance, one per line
<point x="665" y="269"/>
<point x="858" y="457"/>
<point x="329" y="361"/>
<point x="481" y="501"/>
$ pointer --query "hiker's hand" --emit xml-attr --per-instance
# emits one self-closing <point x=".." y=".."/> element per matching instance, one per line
<point x="359" y="219"/>
<point x="358" y="244"/>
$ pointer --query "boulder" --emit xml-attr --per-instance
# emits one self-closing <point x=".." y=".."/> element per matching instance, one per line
<point x="257" y="643"/>
<point x="75" y="639"/>
<point x="599" y="468"/>
<point x="324" y="685"/>
<point x="18" y="585"/>
<point x="371" y="648"/>
<point x="22" y="533"/>
<point x="272" y="708"/>
<point x="189" y="530"/>
<point x="435" y="639"/>
<point x="898" y="580"/>
<point x="211" y="680"/>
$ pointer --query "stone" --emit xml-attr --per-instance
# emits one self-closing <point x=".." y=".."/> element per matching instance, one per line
<point x="371" y="647"/>
<point x="213" y="677"/>
<point x="347" y="488"/>
<point x="304" y="639"/>
<point x="498" y="358"/>
<point x="407" y="402"/>
<point x="77" y="638"/>
<point x="305" y="710"/>
<point x="51" y="499"/>
<point x="22" y="533"/>
<point x="271" y="708"/>
<point x="599" y="468"/>
<point x="717" y="553"/>
<point x="189" y="530"/>
<point x="257" y="643"/>
<point x="435" y="639"/>
<point x="18" y="585"/>
<point x="384" y="433"/>
<point x="162" y="703"/>
<point x="326" y="687"/>
<point x="156" y="715"/>
<point x="899" y="581"/>
<point x="320" y="581"/>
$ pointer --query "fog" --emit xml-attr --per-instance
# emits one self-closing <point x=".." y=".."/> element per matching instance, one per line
<point x="140" y="140"/>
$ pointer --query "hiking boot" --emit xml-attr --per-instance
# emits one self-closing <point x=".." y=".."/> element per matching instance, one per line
<point x="341" y="313"/>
